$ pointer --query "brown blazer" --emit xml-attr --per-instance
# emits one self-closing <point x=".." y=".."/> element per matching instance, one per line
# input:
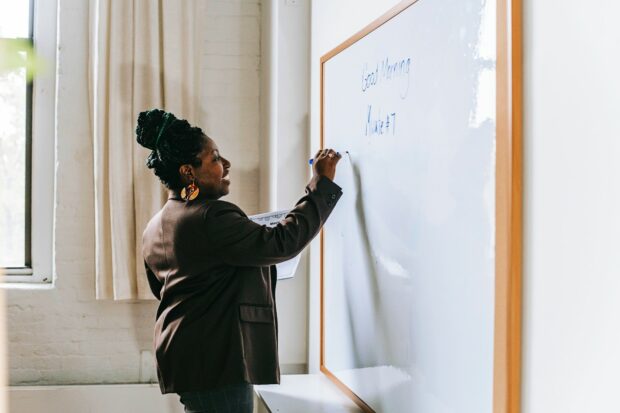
<point x="213" y="271"/>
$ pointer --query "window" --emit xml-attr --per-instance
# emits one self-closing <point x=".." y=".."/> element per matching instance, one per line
<point x="27" y="143"/>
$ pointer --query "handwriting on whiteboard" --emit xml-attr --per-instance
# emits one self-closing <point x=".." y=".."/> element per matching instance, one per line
<point x="387" y="71"/>
<point x="379" y="124"/>
<point x="384" y="76"/>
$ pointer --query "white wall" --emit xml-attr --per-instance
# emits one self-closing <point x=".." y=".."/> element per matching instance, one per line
<point x="63" y="335"/>
<point x="571" y="302"/>
<point x="230" y="90"/>
<point x="290" y="164"/>
<point x="571" y="342"/>
<point x="284" y="151"/>
<point x="135" y="398"/>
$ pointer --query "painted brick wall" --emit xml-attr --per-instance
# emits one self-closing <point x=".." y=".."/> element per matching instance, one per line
<point x="63" y="335"/>
<point x="230" y="91"/>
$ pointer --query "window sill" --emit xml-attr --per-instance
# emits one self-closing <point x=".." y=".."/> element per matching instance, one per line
<point x="24" y="279"/>
<point x="12" y="285"/>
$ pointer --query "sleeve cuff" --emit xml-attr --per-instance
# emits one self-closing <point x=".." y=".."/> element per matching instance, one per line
<point x="324" y="188"/>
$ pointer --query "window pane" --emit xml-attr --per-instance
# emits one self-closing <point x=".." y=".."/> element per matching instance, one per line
<point x="14" y="18"/>
<point x="12" y="168"/>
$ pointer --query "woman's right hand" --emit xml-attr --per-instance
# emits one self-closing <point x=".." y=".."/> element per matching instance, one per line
<point x="324" y="163"/>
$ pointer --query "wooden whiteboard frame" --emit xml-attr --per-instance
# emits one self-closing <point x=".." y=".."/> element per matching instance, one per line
<point x="508" y="205"/>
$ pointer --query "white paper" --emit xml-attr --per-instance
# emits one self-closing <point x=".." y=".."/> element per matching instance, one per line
<point x="288" y="268"/>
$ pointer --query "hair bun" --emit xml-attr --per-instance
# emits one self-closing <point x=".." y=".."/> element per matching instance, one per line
<point x="149" y="124"/>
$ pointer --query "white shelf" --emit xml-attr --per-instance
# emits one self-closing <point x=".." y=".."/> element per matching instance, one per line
<point x="304" y="393"/>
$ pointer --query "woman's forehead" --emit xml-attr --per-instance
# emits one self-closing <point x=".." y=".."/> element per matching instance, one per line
<point x="210" y="145"/>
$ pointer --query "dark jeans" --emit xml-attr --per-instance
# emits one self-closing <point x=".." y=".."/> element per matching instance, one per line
<point x="236" y="398"/>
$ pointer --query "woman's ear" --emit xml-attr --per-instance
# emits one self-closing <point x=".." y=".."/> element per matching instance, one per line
<point x="186" y="173"/>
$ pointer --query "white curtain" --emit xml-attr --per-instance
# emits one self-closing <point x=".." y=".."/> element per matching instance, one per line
<point x="143" y="55"/>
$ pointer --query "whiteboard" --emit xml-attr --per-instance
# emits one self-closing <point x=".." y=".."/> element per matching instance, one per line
<point x="408" y="255"/>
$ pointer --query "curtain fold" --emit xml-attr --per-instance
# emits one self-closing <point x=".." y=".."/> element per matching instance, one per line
<point x="142" y="56"/>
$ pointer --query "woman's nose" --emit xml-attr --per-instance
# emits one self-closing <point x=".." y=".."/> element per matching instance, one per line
<point x="227" y="163"/>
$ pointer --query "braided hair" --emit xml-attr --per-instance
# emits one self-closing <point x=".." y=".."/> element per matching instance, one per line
<point x="173" y="142"/>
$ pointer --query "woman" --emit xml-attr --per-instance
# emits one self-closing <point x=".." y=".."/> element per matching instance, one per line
<point x="213" y="269"/>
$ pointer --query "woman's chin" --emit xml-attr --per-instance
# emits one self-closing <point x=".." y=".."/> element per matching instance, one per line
<point x="225" y="188"/>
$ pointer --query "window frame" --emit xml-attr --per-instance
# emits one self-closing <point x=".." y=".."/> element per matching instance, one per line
<point x="40" y="152"/>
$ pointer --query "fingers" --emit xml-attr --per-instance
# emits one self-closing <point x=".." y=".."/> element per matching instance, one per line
<point x="333" y="154"/>
<point x="325" y="163"/>
<point x="328" y="152"/>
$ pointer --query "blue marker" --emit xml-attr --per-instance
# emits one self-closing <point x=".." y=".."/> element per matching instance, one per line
<point x="311" y="161"/>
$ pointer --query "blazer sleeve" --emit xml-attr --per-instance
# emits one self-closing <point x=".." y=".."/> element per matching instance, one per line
<point x="154" y="282"/>
<point x="239" y="241"/>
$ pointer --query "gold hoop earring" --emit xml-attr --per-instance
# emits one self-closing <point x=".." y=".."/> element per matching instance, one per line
<point x="191" y="191"/>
